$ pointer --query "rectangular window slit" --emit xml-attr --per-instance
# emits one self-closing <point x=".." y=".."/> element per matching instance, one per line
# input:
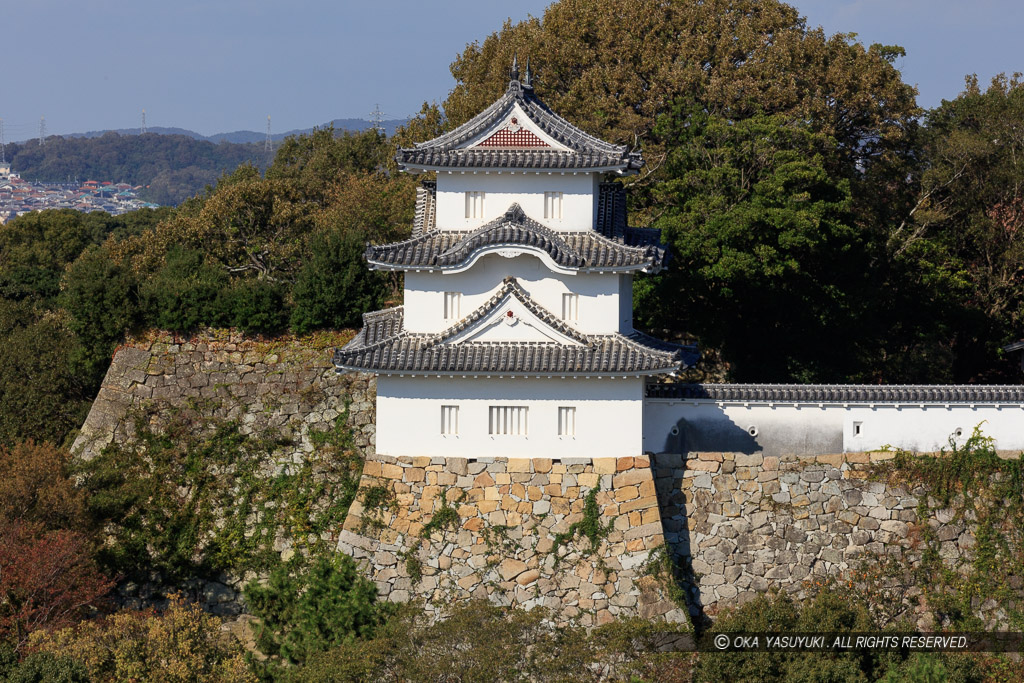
<point x="507" y="420"/>
<point x="474" y="204"/>
<point x="571" y="307"/>
<point x="452" y="304"/>
<point x="553" y="206"/>
<point x="449" y="420"/>
<point x="567" y="421"/>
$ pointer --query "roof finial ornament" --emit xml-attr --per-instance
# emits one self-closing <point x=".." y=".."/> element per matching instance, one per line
<point x="514" y="73"/>
<point x="528" y="76"/>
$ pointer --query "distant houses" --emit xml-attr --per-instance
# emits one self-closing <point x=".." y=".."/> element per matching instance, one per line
<point x="18" y="196"/>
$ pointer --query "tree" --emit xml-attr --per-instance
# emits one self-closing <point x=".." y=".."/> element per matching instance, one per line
<point x="37" y="487"/>
<point x="335" y="287"/>
<point x="47" y="580"/>
<point x="35" y="249"/>
<point x="42" y="397"/>
<point x="186" y="294"/>
<point x="315" y="162"/>
<point x="102" y="297"/>
<point x="766" y="258"/>
<point x="613" y="67"/>
<point x="325" y="605"/>
<point x="181" y="643"/>
<point x="967" y="222"/>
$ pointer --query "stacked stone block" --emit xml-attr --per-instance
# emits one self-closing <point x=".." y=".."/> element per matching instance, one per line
<point x="504" y="541"/>
<point x="746" y="524"/>
<point x="278" y="385"/>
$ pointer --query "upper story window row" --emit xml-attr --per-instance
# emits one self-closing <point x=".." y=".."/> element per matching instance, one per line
<point x="475" y="209"/>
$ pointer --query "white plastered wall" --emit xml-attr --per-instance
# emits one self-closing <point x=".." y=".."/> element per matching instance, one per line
<point x="599" y="293"/>
<point x="501" y="190"/>
<point x="816" y="429"/>
<point x="608" y="417"/>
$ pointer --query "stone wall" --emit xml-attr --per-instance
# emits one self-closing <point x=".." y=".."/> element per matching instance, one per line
<point x="286" y="386"/>
<point x="278" y="384"/>
<point x="739" y="524"/>
<point x="509" y="536"/>
<point x="745" y="524"/>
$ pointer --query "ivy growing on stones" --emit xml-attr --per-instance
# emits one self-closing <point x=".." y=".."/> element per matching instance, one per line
<point x="445" y="517"/>
<point x="589" y="527"/>
<point x="971" y="485"/>
<point x="189" y="494"/>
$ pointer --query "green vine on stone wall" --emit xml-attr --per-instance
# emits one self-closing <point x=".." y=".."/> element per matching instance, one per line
<point x="985" y="493"/>
<point x="445" y="517"/>
<point x="192" y="495"/>
<point x="589" y="526"/>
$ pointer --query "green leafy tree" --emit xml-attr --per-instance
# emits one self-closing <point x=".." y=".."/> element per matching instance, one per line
<point x="101" y="296"/>
<point x="967" y="223"/>
<point x="35" y="249"/>
<point x="325" y="605"/>
<point x="42" y="397"/>
<point x="766" y="259"/>
<point x="614" y="67"/>
<point x="335" y="287"/>
<point x="315" y="162"/>
<point x="187" y="293"/>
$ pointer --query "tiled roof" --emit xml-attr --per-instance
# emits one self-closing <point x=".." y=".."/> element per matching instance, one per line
<point x="584" y="151"/>
<point x="405" y="352"/>
<point x="424" y="220"/>
<point x="577" y="250"/>
<point x="841" y="393"/>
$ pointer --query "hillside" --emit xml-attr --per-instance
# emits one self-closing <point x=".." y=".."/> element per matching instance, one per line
<point x="244" y="136"/>
<point x="173" y="163"/>
<point x="173" y="167"/>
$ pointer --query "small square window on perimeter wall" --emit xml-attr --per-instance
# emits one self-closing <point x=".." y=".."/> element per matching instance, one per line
<point x="449" y="420"/>
<point x="567" y="421"/>
<point x="507" y="420"/>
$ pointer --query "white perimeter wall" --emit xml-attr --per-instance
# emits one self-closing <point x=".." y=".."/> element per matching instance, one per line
<point x="599" y="293"/>
<point x="809" y="429"/>
<point x="609" y="415"/>
<point x="579" y="197"/>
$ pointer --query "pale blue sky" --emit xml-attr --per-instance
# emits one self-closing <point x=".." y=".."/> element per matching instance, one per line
<point x="223" y="65"/>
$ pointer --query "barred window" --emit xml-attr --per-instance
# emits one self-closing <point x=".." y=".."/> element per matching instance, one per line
<point x="507" y="420"/>
<point x="452" y="304"/>
<point x="449" y="420"/>
<point x="553" y="206"/>
<point x="474" y="204"/>
<point x="567" y="421"/>
<point x="571" y="307"/>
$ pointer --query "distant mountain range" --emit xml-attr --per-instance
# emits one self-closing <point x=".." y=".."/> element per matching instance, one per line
<point x="246" y="136"/>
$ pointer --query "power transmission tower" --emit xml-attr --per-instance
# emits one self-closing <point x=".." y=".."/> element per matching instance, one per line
<point x="377" y="119"/>
<point x="142" y="131"/>
<point x="268" y="145"/>
<point x="42" y="130"/>
<point x="3" y="159"/>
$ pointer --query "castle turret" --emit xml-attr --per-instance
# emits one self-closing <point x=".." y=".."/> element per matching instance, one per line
<point x="516" y="335"/>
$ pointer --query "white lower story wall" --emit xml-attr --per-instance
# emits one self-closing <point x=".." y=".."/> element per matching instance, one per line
<point x="677" y="426"/>
<point x="606" y="422"/>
